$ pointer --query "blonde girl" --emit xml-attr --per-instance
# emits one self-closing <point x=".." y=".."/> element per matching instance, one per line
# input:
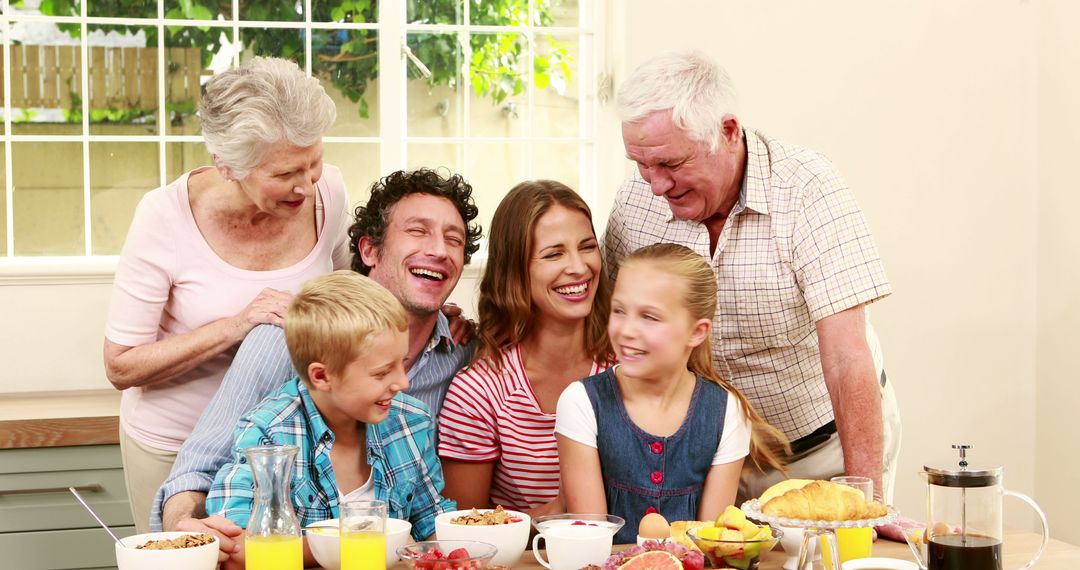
<point x="661" y="431"/>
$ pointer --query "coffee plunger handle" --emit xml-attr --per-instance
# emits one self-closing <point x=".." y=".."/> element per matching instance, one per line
<point x="963" y="447"/>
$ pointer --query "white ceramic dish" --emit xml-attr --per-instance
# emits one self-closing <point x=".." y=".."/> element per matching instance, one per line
<point x="203" y="557"/>
<point x="323" y="539"/>
<point x="510" y="539"/>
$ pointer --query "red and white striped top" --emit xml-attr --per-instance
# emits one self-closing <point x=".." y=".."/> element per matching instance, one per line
<point x="491" y="415"/>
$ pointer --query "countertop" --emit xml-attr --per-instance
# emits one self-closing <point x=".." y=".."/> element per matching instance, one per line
<point x="59" y="419"/>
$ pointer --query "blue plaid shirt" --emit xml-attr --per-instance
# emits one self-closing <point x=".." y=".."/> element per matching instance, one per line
<point x="404" y="467"/>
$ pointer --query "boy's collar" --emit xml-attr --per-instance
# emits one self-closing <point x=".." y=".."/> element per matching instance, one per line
<point x="319" y="430"/>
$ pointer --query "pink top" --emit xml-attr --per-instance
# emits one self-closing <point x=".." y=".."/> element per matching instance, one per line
<point x="169" y="281"/>
<point x="491" y="415"/>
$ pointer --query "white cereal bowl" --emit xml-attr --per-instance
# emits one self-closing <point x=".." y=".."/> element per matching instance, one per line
<point x="323" y="539"/>
<point x="128" y="557"/>
<point x="510" y="539"/>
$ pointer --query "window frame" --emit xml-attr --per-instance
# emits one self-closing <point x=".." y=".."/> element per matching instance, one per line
<point x="393" y="139"/>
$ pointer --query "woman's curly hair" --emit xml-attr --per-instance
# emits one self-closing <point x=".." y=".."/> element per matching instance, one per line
<point x="372" y="219"/>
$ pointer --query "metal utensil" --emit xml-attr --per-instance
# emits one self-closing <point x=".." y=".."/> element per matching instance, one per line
<point x="97" y="518"/>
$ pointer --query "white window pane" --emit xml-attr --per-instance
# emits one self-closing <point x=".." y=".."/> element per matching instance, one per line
<point x="555" y="77"/>
<point x="46" y="81"/>
<point x="436" y="104"/>
<point x="557" y="161"/>
<point x="363" y="11"/>
<point x="120" y="173"/>
<point x="347" y="64"/>
<point x="123" y="85"/>
<point x="273" y="42"/>
<point x="48" y="202"/>
<point x="124" y="9"/>
<point x="359" y="164"/>
<point x="562" y="13"/>
<point x="189" y="54"/>
<point x="429" y="12"/>
<point x="183" y="157"/>
<point x="499" y="76"/>
<point x="271" y="10"/>
<point x="493" y="169"/>
<point x="3" y="204"/>
<point x="187" y="10"/>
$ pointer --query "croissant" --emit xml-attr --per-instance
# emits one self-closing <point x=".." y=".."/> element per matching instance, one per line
<point x="824" y="501"/>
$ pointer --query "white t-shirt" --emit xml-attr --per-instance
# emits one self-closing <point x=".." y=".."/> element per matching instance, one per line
<point x="575" y="419"/>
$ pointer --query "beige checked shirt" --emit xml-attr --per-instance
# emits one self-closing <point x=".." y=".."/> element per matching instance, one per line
<point x="795" y="249"/>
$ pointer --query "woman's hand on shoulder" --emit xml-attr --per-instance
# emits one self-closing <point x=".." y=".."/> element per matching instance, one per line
<point x="268" y="308"/>
<point x="462" y="330"/>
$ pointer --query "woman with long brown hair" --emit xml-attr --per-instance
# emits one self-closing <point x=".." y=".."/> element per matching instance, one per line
<point x="543" y="314"/>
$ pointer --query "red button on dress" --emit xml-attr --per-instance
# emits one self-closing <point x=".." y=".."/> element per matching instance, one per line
<point x="657" y="477"/>
<point x="657" y="447"/>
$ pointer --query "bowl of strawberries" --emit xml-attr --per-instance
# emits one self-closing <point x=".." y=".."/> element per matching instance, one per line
<point x="447" y="555"/>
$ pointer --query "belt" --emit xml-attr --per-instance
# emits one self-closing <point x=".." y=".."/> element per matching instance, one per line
<point x="821" y="434"/>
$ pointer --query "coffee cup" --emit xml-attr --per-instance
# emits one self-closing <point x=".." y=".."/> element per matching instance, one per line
<point x="569" y="547"/>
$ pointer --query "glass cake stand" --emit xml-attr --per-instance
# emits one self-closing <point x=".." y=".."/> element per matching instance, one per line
<point x="814" y="529"/>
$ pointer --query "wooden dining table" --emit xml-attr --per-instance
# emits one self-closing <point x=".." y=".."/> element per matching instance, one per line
<point x="1019" y="546"/>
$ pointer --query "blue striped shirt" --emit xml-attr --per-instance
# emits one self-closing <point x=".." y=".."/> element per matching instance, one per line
<point x="261" y="366"/>
<point x="405" y="470"/>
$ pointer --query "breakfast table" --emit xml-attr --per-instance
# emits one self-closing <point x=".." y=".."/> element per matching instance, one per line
<point x="1018" y="549"/>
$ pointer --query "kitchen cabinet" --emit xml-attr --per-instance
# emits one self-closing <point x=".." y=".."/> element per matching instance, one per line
<point x="42" y="526"/>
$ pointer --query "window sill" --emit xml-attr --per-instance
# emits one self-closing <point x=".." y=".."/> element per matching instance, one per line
<point x="57" y="270"/>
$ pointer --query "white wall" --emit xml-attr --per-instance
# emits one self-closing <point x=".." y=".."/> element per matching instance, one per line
<point x="1058" y="399"/>
<point x="928" y="109"/>
<point x="954" y="122"/>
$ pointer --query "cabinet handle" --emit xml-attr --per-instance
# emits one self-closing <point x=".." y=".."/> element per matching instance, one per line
<point x="95" y="488"/>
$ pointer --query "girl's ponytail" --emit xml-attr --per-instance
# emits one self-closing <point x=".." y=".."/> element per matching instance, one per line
<point x="768" y="445"/>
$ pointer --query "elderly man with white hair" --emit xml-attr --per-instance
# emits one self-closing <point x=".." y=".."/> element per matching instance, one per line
<point x="794" y="260"/>
<point x="217" y="252"/>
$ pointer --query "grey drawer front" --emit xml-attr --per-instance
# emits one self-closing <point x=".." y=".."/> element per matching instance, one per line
<point x="81" y="549"/>
<point x="33" y="488"/>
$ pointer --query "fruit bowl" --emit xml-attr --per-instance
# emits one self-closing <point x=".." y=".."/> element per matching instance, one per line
<point x="447" y="554"/>
<point x="728" y="548"/>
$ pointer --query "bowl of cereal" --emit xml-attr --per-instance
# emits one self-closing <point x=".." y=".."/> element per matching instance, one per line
<point x="168" y="551"/>
<point x="507" y="530"/>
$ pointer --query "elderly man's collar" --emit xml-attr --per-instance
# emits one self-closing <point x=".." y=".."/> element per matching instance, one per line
<point x="753" y="193"/>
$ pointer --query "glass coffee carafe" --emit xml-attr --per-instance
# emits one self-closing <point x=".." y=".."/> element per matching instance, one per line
<point x="964" y="511"/>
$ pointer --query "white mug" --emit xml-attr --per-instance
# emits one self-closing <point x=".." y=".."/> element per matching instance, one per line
<point x="569" y="547"/>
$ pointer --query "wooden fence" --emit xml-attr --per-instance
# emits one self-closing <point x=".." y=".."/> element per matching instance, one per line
<point x="120" y="77"/>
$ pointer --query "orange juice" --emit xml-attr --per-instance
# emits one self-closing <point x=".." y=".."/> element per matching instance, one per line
<point x="853" y="543"/>
<point x="363" y="550"/>
<point x="274" y="552"/>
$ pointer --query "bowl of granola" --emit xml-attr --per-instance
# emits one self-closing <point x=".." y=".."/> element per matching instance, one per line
<point x="168" y="551"/>
<point x="507" y="530"/>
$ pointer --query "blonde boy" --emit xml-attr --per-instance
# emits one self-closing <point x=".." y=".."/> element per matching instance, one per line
<point x="359" y="438"/>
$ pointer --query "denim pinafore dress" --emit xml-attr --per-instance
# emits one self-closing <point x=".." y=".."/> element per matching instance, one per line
<point x="645" y="473"/>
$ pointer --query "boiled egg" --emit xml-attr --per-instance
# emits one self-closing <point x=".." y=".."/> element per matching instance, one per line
<point x="654" y="526"/>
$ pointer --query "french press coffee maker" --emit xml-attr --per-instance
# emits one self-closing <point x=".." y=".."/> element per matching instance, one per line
<point x="964" y="508"/>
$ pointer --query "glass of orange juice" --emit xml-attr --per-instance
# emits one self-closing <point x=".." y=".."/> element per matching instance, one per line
<point x="853" y="543"/>
<point x="363" y="535"/>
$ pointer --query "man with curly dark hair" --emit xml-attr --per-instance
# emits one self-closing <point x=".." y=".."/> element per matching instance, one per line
<point x="413" y="236"/>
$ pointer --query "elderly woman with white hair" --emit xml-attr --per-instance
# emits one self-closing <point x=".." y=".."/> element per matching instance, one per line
<point x="217" y="252"/>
